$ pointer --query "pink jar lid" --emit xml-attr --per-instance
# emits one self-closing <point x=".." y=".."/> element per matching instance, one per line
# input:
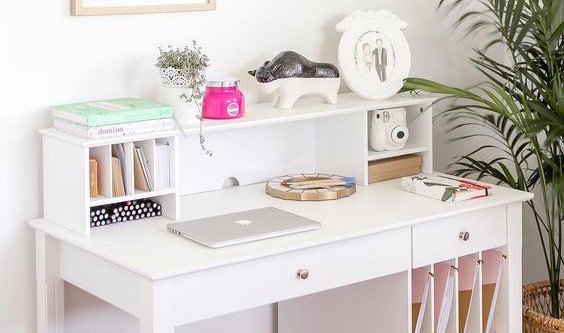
<point x="223" y="83"/>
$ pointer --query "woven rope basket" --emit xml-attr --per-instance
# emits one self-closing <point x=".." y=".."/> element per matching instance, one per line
<point x="536" y="309"/>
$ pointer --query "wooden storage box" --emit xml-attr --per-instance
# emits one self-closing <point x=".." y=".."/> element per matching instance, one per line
<point x="395" y="167"/>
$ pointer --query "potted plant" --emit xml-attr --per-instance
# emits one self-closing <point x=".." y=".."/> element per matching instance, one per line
<point x="520" y="107"/>
<point x="183" y="79"/>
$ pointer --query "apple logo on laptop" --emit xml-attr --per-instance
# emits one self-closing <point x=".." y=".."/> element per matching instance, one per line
<point x="244" y="223"/>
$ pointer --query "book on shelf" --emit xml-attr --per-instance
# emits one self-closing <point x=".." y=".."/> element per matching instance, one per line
<point x="118" y="187"/>
<point x="111" y="112"/>
<point x="163" y="165"/>
<point x="445" y="188"/>
<point x="114" y="130"/>
<point x="142" y="171"/>
<point x="119" y="151"/>
<point x="93" y="171"/>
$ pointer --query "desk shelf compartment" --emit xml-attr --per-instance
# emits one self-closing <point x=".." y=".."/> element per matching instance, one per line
<point x="420" y="142"/>
<point x="67" y="177"/>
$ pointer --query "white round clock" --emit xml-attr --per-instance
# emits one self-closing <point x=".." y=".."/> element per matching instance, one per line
<point x="374" y="55"/>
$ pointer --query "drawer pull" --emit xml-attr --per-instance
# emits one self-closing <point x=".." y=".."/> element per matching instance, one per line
<point x="464" y="236"/>
<point x="303" y="274"/>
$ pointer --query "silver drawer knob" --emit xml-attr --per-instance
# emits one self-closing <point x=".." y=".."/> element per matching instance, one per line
<point x="464" y="236"/>
<point x="303" y="274"/>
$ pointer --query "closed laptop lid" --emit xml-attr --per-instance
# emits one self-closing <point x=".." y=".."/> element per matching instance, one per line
<point x="242" y="227"/>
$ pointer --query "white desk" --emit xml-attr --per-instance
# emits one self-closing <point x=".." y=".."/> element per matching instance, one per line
<point x="167" y="281"/>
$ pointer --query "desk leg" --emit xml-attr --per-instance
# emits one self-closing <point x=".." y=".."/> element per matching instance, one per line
<point x="50" y="287"/>
<point x="157" y="316"/>
<point x="513" y="287"/>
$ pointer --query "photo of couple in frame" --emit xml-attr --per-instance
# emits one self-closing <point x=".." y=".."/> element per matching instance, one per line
<point x="375" y="56"/>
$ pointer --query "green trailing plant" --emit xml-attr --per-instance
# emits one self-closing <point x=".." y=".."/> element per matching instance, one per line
<point x="191" y="63"/>
<point x="519" y="108"/>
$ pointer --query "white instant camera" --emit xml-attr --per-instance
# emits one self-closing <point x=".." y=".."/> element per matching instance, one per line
<point x="388" y="129"/>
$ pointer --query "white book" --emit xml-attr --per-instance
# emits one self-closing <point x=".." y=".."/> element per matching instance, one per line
<point x="445" y="187"/>
<point x="163" y="165"/>
<point x="112" y="131"/>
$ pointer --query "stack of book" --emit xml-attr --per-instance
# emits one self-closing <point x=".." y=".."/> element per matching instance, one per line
<point x="112" y="118"/>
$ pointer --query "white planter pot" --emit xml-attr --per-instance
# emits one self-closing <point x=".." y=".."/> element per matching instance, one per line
<point x="186" y="113"/>
<point x="173" y="86"/>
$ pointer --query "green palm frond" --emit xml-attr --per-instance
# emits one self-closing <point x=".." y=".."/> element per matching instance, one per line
<point x="519" y="108"/>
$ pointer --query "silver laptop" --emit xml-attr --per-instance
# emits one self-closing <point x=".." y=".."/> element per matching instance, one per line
<point x="242" y="227"/>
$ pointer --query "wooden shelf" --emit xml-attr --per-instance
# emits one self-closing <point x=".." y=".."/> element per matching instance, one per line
<point x="101" y="200"/>
<point x="409" y="149"/>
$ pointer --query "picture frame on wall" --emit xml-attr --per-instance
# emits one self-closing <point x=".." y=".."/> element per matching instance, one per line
<point x="374" y="55"/>
<point x="117" y="7"/>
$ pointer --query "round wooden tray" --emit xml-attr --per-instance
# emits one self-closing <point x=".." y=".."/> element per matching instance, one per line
<point x="279" y="188"/>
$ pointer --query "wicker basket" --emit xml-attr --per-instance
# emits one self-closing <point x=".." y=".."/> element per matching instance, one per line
<point x="536" y="309"/>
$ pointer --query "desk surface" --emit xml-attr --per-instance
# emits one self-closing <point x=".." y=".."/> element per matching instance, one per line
<point x="147" y="248"/>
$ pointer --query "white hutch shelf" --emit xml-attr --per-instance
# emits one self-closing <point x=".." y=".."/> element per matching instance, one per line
<point x="312" y="137"/>
<point x="66" y="176"/>
<point x="268" y="142"/>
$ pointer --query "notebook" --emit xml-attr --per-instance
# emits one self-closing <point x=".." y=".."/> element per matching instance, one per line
<point x="243" y="227"/>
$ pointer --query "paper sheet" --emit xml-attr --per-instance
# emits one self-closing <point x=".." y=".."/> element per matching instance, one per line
<point x="495" y="297"/>
<point x="446" y="304"/>
<point x="423" y="309"/>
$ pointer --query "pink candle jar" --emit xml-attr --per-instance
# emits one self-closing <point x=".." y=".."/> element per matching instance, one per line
<point x="223" y="100"/>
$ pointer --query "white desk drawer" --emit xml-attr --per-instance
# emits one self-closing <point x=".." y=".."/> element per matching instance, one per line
<point x="264" y="281"/>
<point x="458" y="236"/>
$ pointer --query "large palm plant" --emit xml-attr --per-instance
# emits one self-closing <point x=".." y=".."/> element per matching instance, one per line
<point x="521" y="106"/>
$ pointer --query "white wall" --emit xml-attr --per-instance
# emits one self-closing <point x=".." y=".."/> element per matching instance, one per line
<point x="48" y="57"/>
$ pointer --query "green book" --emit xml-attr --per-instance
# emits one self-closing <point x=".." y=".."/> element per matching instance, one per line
<point x="111" y="112"/>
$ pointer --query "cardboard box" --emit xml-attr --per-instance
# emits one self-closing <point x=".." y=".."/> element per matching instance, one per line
<point x="395" y="167"/>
